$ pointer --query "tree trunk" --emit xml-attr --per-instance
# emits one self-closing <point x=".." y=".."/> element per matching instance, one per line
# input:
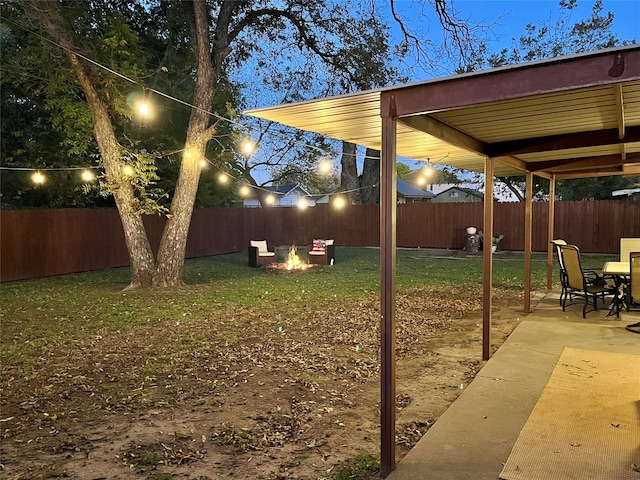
<point x="138" y="247"/>
<point x="370" y="182"/>
<point x="171" y="255"/>
<point x="349" y="173"/>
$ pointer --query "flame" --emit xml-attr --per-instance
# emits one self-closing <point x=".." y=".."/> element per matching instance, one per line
<point x="293" y="260"/>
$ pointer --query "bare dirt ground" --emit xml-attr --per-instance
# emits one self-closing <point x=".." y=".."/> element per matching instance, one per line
<point x="244" y="393"/>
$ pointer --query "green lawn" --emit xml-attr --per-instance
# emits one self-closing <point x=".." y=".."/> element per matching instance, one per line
<point x="50" y="308"/>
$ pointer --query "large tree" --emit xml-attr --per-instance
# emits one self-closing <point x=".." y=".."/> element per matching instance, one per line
<point x="218" y="36"/>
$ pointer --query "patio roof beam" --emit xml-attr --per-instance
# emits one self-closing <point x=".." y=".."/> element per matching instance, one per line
<point x="512" y="83"/>
<point x="631" y="169"/>
<point x="619" y="109"/>
<point x="602" y="172"/>
<point x="513" y="162"/>
<point x="578" y="164"/>
<point x="563" y="142"/>
<point x="432" y="126"/>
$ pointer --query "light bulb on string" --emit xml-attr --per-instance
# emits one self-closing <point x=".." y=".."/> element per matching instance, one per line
<point x="143" y="106"/>
<point x="223" y="178"/>
<point x="428" y="170"/>
<point x="245" y="190"/>
<point x="127" y="171"/>
<point x="203" y="163"/>
<point x="248" y="147"/>
<point x="324" y="166"/>
<point x="422" y="181"/>
<point x="87" y="176"/>
<point x="339" y="202"/>
<point x="38" y="177"/>
<point x="270" y="199"/>
<point x="302" y="203"/>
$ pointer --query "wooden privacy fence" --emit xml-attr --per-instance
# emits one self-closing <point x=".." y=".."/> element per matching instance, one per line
<point x="38" y="243"/>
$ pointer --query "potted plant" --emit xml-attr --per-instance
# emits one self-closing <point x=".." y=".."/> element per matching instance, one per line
<point x="494" y="241"/>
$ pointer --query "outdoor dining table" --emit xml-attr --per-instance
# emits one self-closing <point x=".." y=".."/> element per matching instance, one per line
<point x="619" y="271"/>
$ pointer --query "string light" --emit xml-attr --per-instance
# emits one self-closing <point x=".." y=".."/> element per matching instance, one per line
<point x="87" y="176"/>
<point x="223" y="178"/>
<point x="203" y="163"/>
<point x="127" y="171"/>
<point x="270" y="199"/>
<point x="339" y="202"/>
<point x="38" y="177"/>
<point x="302" y="203"/>
<point x="143" y="109"/>
<point x="248" y="147"/>
<point x="324" y="166"/>
<point x="245" y="191"/>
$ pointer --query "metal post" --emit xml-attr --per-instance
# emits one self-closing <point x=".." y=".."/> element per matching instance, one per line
<point x="487" y="258"/>
<point x="388" y="193"/>
<point x="528" y="230"/>
<point x="550" y="230"/>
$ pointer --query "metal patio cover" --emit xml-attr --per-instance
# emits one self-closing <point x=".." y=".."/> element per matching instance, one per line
<point x="568" y="117"/>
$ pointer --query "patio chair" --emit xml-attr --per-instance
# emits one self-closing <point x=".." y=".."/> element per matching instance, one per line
<point x="260" y="254"/>
<point x="633" y="285"/>
<point x="322" y="252"/>
<point x="593" y="278"/>
<point x="577" y="281"/>
<point x="563" y="273"/>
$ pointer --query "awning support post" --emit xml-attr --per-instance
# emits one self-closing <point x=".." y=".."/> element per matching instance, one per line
<point x="550" y="230"/>
<point x="388" y="193"/>
<point x="528" y="231"/>
<point x="487" y="258"/>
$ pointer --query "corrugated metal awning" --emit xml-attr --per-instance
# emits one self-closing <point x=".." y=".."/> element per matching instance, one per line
<point x="583" y="122"/>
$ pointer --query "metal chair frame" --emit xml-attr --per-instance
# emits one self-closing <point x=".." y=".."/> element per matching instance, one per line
<point x="577" y="282"/>
<point x="592" y="277"/>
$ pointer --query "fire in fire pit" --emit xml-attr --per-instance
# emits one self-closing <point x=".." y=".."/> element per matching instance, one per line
<point x="293" y="263"/>
<point x="293" y="260"/>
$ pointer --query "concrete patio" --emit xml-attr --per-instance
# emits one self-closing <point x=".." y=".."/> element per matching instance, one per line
<point x="474" y="437"/>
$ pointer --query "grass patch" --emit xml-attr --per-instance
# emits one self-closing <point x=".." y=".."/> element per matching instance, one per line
<point x="360" y="467"/>
<point x="37" y="314"/>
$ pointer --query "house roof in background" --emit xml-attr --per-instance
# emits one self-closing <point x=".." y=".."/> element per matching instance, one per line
<point x="281" y="190"/>
<point x="468" y="191"/>
<point x="409" y="190"/>
<point x="477" y="189"/>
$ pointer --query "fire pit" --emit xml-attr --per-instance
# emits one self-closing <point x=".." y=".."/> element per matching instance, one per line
<point x="293" y="262"/>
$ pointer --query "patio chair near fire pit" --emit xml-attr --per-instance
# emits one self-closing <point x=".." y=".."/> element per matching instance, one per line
<point x="577" y="281"/>
<point x="260" y="254"/>
<point x="322" y="252"/>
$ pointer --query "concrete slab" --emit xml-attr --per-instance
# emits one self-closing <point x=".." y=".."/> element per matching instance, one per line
<point x="474" y="437"/>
